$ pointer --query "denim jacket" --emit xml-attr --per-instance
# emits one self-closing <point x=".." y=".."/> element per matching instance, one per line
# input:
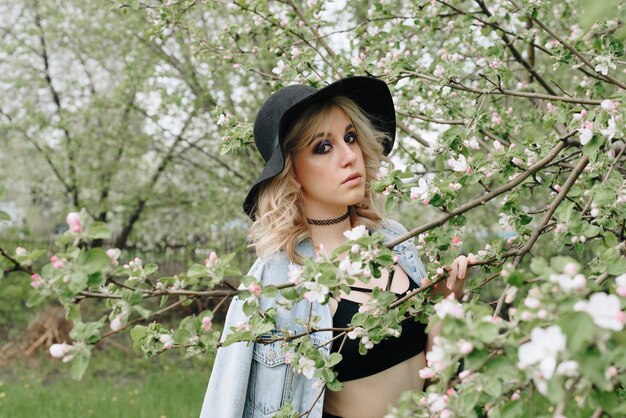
<point x="252" y="380"/>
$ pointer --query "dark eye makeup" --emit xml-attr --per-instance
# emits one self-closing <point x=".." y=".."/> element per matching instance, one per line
<point x="325" y="145"/>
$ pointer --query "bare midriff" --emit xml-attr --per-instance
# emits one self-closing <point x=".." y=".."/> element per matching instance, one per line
<point x="371" y="396"/>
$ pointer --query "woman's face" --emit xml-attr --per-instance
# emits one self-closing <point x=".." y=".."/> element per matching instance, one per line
<point x="330" y="169"/>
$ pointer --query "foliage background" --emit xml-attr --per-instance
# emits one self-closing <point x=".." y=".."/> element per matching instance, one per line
<point x="139" y="114"/>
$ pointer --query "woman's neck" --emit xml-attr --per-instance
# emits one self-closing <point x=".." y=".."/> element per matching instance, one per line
<point x="330" y="236"/>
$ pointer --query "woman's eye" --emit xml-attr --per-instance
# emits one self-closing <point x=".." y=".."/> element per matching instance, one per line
<point x="350" y="137"/>
<point x="323" y="147"/>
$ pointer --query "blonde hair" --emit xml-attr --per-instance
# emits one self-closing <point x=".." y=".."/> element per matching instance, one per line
<point x="280" y="219"/>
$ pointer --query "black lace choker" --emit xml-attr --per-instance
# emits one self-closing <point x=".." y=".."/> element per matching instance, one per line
<point x="329" y="221"/>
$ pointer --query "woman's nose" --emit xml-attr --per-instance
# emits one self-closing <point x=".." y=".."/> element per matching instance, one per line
<point x="348" y="156"/>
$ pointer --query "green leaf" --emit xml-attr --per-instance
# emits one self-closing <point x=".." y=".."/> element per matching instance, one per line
<point x="78" y="281"/>
<point x="610" y="240"/>
<point x="79" y="364"/>
<point x="249" y="307"/>
<point x="513" y="409"/>
<point x="270" y="291"/>
<point x="578" y="328"/>
<point x="93" y="260"/>
<point x="150" y="269"/>
<point x="197" y="271"/>
<point x="35" y="300"/>
<point x="4" y="216"/>
<point x="335" y="385"/>
<point x="459" y="221"/>
<point x="89" y="332"/>
<point x="98" y="230"/>
<point x="591" y="148"/>
<point x="138" y="333"/>
<point x="467" y="400"/>
<point x="492" y="386"/>
<point x="145" y="313"/>
<point x="289" y="293"/>
<point x="333" y="359"/>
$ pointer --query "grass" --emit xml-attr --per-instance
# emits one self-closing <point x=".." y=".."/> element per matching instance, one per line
<point x="116" y="385"/>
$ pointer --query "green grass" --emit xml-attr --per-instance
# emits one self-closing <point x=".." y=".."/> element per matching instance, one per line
<point x="116" y="385"/>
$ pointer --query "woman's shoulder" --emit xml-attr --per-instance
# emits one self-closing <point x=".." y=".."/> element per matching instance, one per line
<point x="271" y="269"/>
<point x="391" y="228"/>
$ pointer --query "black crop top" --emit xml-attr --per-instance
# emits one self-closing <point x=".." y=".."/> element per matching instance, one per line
<point x="382" y="356"/>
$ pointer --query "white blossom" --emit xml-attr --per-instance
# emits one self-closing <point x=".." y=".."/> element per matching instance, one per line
<point x="294" y="274"/>
<point x="586" y="133"/>
<point x="605" y="63"/>
<point x="610" y="131"/>
<point x="605" y="311"/>
<point x="306" y="367"/>
<point x="356" y="233"/>
<point x="542" y="350"/>
<point x="568" y="283"/>
<point x="421" y="190"/>
<point x="352" y="268"/>
<point x="567" y="368"/>
<point x="459" y="165"/>
<point x="280" y="67"/>
<point x="316" y="292"/>
<point x="449" y="306"/>
<point x="357" y="332"/>
<point x="435" y="358"/>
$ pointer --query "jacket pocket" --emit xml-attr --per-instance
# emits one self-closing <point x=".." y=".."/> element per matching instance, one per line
<point x="270" y="381"/>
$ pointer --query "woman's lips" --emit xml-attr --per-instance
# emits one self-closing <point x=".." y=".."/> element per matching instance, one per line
<point x="352" y="181"/>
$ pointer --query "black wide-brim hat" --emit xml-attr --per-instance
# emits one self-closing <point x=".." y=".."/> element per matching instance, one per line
<point x="282" y="109"/>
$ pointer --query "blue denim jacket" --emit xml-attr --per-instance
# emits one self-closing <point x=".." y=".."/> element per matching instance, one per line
<point x="252" y="380"/>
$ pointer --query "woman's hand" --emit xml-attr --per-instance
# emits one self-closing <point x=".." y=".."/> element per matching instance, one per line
<point x="457" y="272"/>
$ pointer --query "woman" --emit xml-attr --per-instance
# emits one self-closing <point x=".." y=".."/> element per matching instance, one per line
<point x="322" y="149"/>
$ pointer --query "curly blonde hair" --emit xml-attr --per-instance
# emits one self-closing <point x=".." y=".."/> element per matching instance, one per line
<point x="280" y="220"/>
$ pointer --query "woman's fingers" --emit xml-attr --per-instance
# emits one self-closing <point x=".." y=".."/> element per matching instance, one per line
<point x="462" y="261"/>
<point x="453" y="275"/>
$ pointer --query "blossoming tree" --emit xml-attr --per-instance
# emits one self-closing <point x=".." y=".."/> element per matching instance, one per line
<point x="527" y="101"/>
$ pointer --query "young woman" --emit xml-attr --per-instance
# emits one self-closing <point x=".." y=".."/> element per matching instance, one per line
<point x="322" y="149"/>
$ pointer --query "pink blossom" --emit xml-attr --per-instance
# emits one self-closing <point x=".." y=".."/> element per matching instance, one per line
<point x="465" y="347"/>
<point x="439" y="71"/>
<point x="117" y="323"/>
<point x="57" y="265"/>
<point x="449" y="306"/>
<point x="60" y="350"/>
<point x="621" y="285"/>
<point x="456" y="240"/>
<point x="580" y="116"/>
<point x="167" y="340"/>
<point x="36" y="280"/>
<point x="526" y="316"/>
<point x="515" y="396"/>
<point x="550" y="107"/>
<point x="73" y="221"/>
<point x="610" y="372"/>
<point x="496" y="118"/>
<point x="207" y="323"/>
<point x="19" y="251"/>
<point x="608" y="105"/>
<point x="211" y="260"/>
<point x="426" y="373"/>
<point x="495" y="64"/>
<point x="254" y="289"/>
<point x="54" y="259"/>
